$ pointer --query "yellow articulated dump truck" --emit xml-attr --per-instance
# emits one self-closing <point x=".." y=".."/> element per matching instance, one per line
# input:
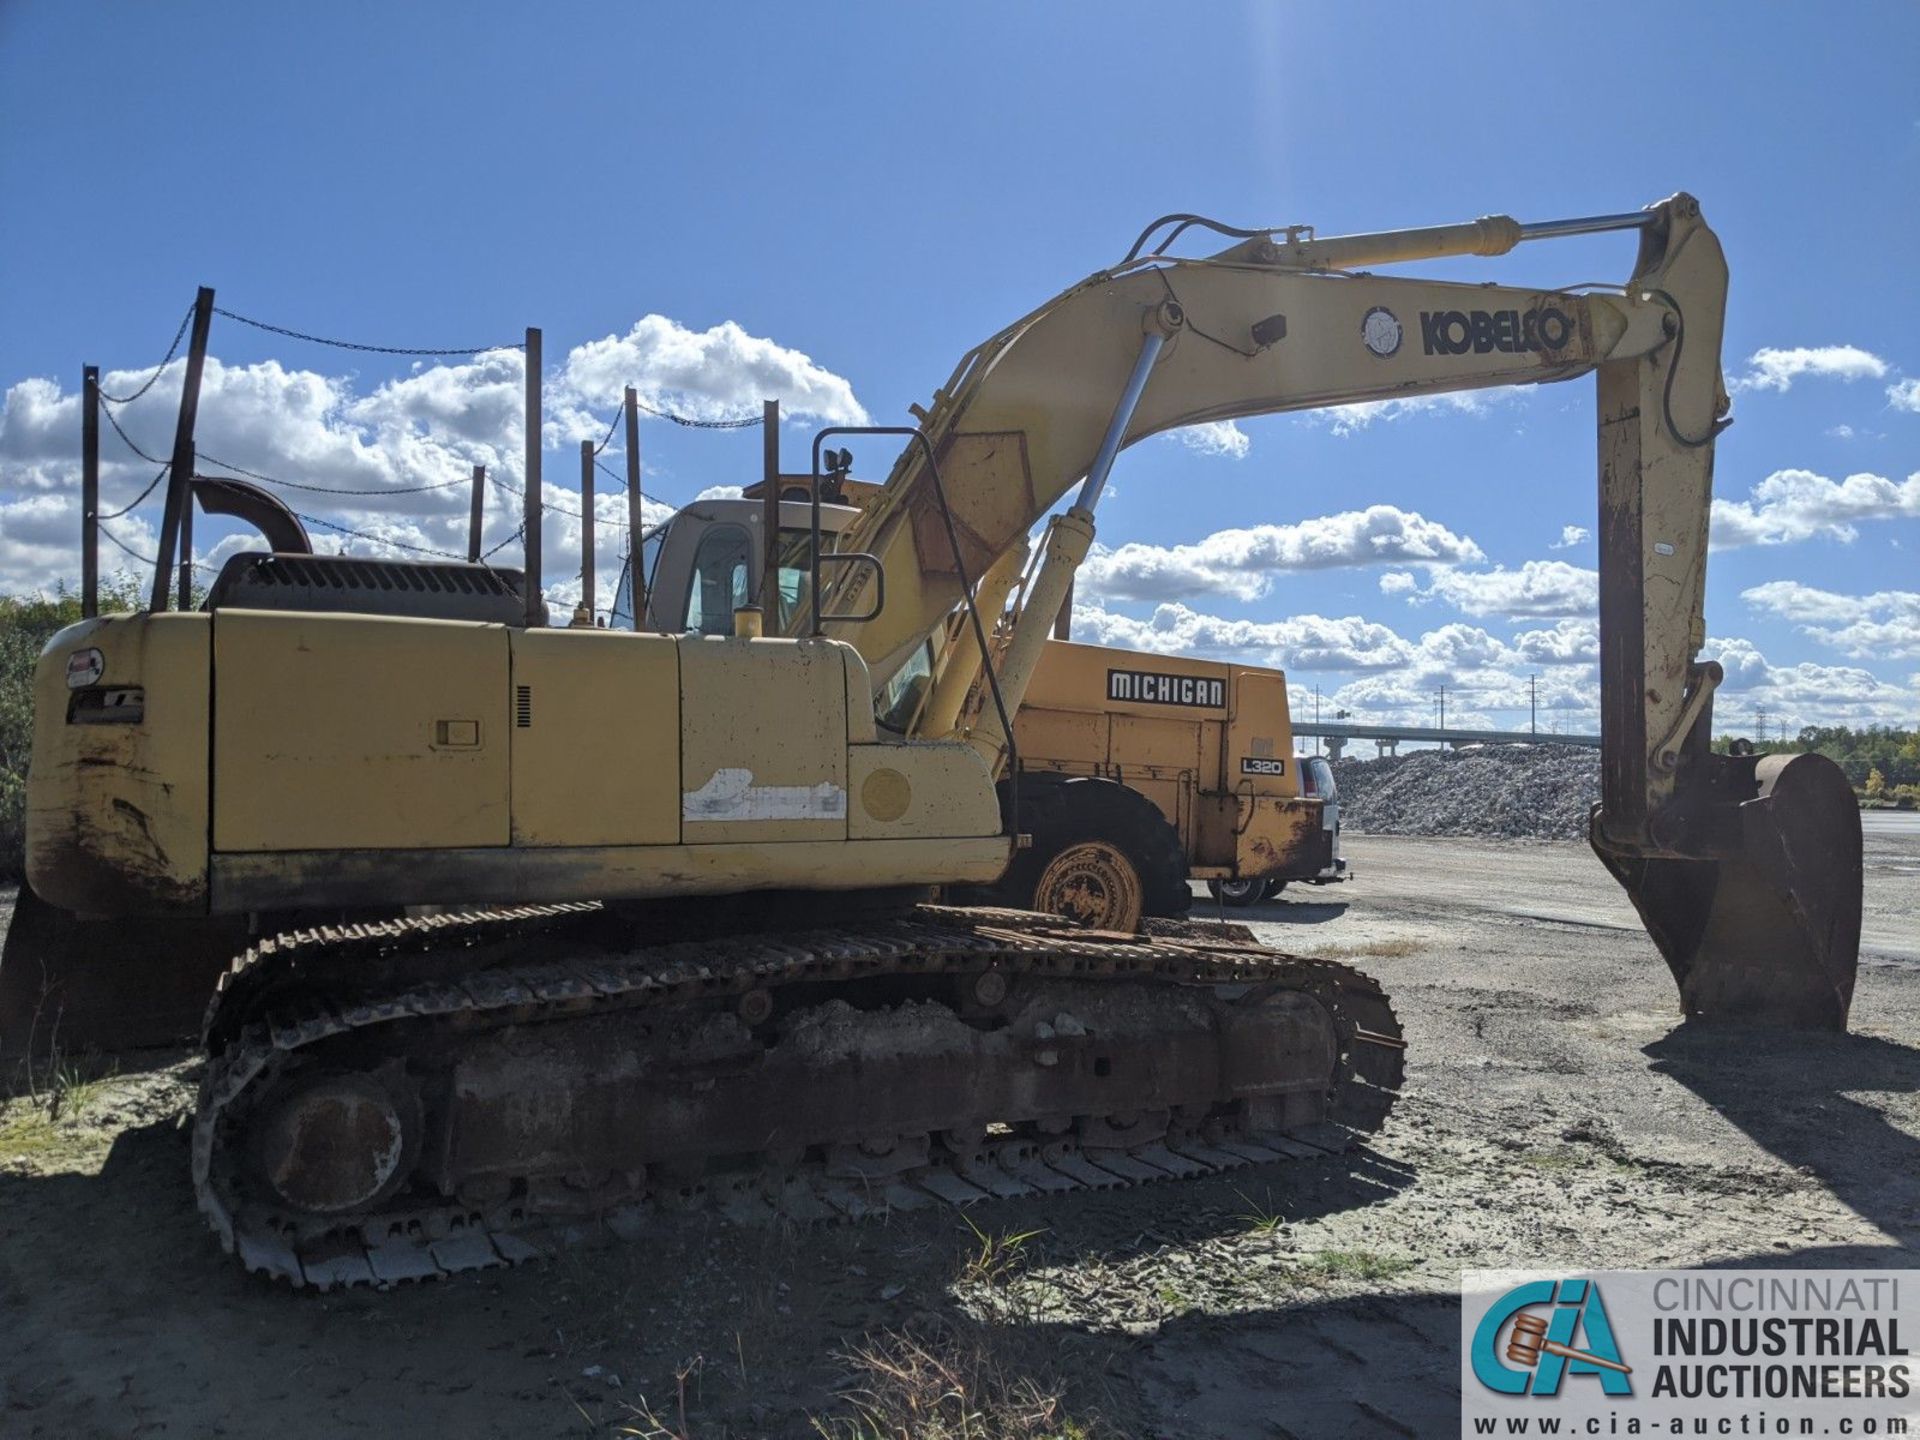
<point x="1210" y="744"/>
<point x="1137" y="772"/>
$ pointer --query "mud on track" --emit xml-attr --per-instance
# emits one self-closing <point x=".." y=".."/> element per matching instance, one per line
<point x="1552" y="1115"/>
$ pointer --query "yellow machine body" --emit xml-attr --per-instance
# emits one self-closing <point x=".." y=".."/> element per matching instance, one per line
<point x="375" y="761"/>
<point x="1209" y="743"/>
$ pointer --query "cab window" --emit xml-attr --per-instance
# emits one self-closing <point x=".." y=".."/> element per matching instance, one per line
<point x="900" y="696"/>
<point x="719" y="584"/>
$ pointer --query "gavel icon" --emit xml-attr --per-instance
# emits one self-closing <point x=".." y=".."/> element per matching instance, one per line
<point x="1529" y="1342"/>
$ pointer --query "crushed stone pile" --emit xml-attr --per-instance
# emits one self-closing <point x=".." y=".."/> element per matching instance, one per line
<point x="1495" y="792"/>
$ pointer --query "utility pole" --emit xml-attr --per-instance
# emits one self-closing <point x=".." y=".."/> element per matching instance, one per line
<point x="180" y="472"/>
<point x="1533" y="706"/>
<point x="1316" y="718"/>
<point x="186" y="540"/>
<point x="90" y="492"/>
<point x="532" y="478"/>
<point x="770" y="517"/>
<point x="636" y="568"/>
<point x="587" y="596"/>
<point x="1443" y="707"/>
<point x="477" y="514"/>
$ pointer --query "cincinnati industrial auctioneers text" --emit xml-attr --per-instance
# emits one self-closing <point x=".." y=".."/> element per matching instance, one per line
<point x="1736" y="1352"/>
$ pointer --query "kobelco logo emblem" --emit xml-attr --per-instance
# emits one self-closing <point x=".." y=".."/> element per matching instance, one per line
<point x="1513" y="332"/>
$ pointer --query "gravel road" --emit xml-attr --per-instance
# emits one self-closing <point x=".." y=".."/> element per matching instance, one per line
<point x="1554" y="1115"/>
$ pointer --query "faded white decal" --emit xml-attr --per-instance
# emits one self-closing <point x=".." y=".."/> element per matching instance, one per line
<point x="732" y="795"/>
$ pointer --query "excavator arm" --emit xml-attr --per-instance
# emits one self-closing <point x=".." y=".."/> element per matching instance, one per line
<point x="1745" y="869"/>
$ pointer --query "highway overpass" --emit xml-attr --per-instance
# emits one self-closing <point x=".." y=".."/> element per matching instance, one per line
<point x="1339" y="733"/>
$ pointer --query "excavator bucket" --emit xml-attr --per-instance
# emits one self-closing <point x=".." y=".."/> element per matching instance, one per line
<point x="69" y="984"/>
<point x="1768" y="933"/>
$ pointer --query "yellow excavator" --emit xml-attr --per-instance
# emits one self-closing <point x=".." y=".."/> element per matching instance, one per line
<point x="568" y="1029"/>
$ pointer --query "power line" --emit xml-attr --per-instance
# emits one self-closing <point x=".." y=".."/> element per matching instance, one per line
<point x="129" y="399"/>
<point x="370" y="349"/>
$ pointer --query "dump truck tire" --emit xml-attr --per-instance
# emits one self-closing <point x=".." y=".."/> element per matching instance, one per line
<point x="1101" y="853"/>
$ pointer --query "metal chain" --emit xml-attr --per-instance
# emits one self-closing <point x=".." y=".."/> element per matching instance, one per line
<point x="378" y="539"/>
<point x="520" y="534"/>
<point x="325" y="489"/>
<point x="607" y="439"/>
<point x="745" y="422"/>
<point x="150" y="459"/>
<point x="143" y="559"/>
<point x="147" y="559"/>
<point x="493" y="479"/>
<point x="129" y="399"/>
<point x="131" y="504"/>
<point x="370" y="349"/>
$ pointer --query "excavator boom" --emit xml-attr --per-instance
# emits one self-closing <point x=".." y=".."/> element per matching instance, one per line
<point x="1746" y="871"/>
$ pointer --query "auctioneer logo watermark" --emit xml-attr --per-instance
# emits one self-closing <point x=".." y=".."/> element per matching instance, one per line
<point x="1689" y="1352"/>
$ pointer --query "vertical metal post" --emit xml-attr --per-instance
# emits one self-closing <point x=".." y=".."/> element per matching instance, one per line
<point x="770" y="517"/>
<point x="180" y="476"/>
<point x="476" y="515"/>
<point x="587" y="596"/>
<point x="90" y="492"/>
<point x="186" y="540"/>
<point x="532" y="477"/>
<point x="1533" y="707"/>
<point x="636" y="560"/>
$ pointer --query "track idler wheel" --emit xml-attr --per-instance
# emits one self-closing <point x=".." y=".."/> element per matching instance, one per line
<point x="333" y="1144"/>
<point x="1768" y="934"/>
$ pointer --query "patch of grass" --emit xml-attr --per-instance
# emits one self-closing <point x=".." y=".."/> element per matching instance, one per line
<point x="950" y="1382"/>
<point x="1262" y="1219"/>
<point x="1359" y="1265"/>
<point x="994" y="1259"/>
<point x="72" y="1086"/>
<point x="27" y="1133"/>
<point x="1382" y="949"/>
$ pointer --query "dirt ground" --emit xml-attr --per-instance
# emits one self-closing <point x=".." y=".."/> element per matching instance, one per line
<point x="1553" y="1115"/>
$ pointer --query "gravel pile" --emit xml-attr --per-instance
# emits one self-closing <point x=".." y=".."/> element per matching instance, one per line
<point x="1498" y="792"/>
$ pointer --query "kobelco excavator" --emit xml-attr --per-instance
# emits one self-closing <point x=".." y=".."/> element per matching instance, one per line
<point x="594" y="1038"/>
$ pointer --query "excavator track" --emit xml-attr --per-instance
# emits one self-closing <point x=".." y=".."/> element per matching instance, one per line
<point x="414" y="1098"/>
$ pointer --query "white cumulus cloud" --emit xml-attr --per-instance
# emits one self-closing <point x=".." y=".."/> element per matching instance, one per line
<point x="390" y="463"/>
<point x="1215" y="437"/>
<point x="1905" y="395"/>
<point x="1243" y="562"/>
<point x="1570" y="536"/>
<point x="1351" y="419"/>
<point x="1794" y="505"/>
<point x="1776" y="369"/>
<point x="1538" y="588"/>
<point x="1884" y="625"/>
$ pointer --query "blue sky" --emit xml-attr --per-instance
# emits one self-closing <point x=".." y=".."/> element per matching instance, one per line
<point x="836" y="201"/>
